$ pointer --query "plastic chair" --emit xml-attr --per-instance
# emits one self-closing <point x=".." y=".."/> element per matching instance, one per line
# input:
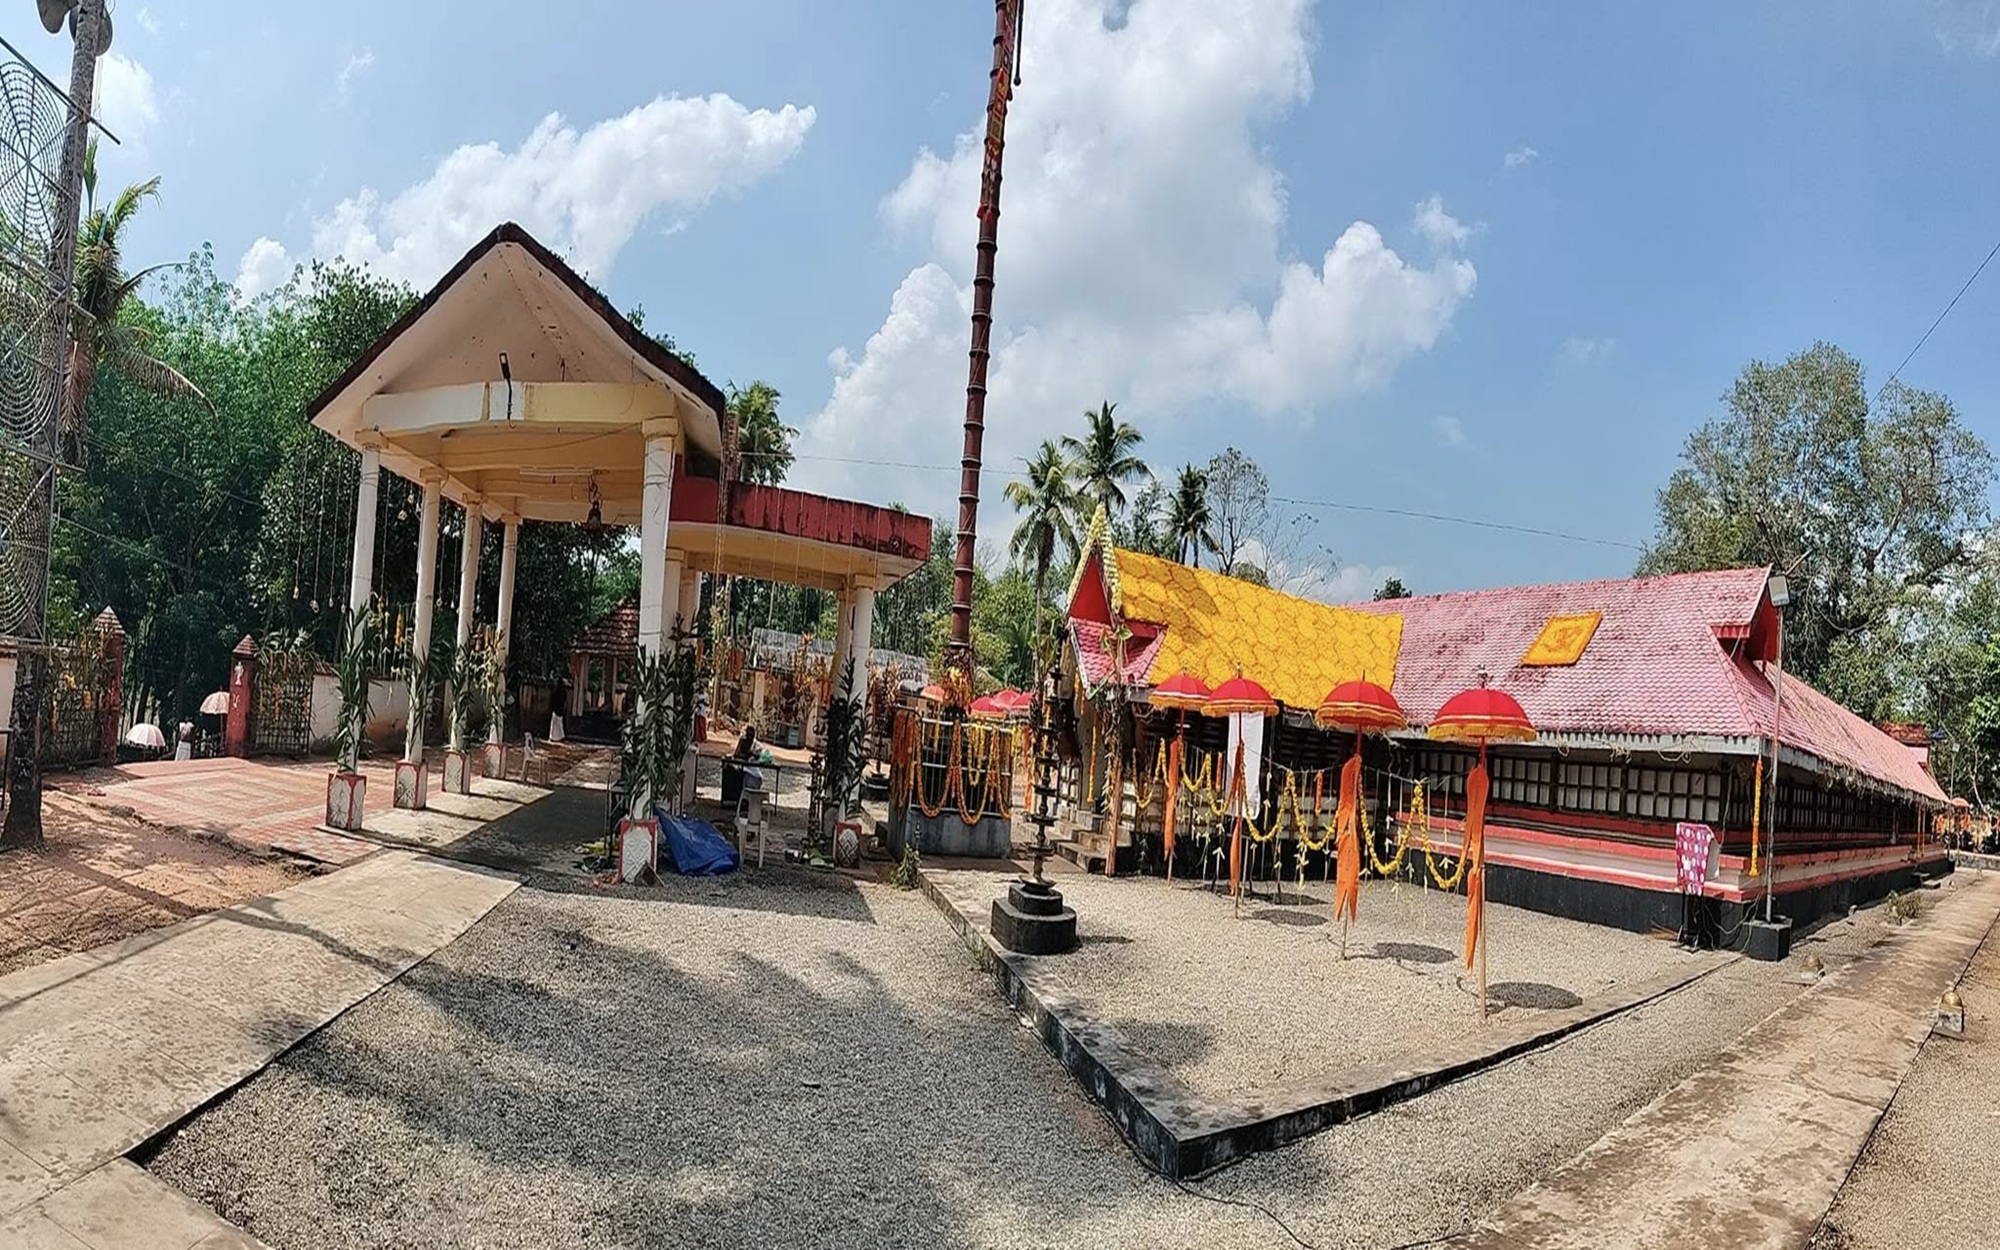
<point x="750" y="822"/>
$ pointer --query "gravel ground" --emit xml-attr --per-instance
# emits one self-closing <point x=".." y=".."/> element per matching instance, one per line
<point x="1233" y="1006"/>
<point x="1926" y="1177"/>
<point x="790" y="1059"/>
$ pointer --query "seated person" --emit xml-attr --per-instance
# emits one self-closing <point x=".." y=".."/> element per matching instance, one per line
<point x="737" y="773"/>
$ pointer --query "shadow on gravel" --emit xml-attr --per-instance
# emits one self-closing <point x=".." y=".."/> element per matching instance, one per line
<point x="1409" y="953"/>
<point x="669" y="1108"/>
<point x="1532" y="994"/>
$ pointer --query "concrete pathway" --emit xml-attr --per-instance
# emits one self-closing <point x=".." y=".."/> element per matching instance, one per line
<point x="1750" y="1152"/>
<point x="101" y="1051"/>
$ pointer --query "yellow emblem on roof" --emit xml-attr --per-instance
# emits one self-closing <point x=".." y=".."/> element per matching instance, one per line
<point x="1562" y="640"/>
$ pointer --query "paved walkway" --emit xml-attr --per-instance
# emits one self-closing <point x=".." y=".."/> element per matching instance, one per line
<point x="257" y="804"/>
<point x="101" y="1051"/>
<point x="1750" y="1153"/>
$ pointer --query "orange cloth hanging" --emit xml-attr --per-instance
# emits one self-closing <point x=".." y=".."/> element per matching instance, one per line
<point x="1117" y="781"/>
<point x="1236" y="796"/>
<point x="1347" y="841"/>
<point x="1173" y="798"/>
<point x="1474" y="851"/>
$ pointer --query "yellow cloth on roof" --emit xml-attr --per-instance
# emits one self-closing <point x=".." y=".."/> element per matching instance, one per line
<point x="1295" y="648"/>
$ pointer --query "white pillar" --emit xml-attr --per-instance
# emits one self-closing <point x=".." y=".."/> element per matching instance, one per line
<point x="468" y="591"/>
<point x="862" y="641"/>
<point x="420" y="639"/>
<point x="843" y="633"/>
<point x="690" y="606"/>
<point x="503" y="624"/>
<point x="672" y="586"/>
<point x="655" y="505"/>
<point x="361" y="581"/>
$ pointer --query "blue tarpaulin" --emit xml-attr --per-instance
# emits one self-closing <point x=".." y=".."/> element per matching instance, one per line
<point x="694" y="847"/>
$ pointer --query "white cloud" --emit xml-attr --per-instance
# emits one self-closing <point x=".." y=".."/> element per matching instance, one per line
<point x="265" y="267"/>
<point x="1139" y="249"/>
<point x="584" y="193"/>
<point x="1518" y="157"/>
<point x="147" y="22"/>
<point x="1442" y="230"/>
<point x="1450" y="431"/>
<point x="1971" y="26"/>
<point x="343" y="82"/>
<point x="126" y="102"/>
<point x="1579" y="349"/>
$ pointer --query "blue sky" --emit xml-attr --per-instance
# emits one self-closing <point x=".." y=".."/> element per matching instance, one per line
<point x="1494" y="261"/>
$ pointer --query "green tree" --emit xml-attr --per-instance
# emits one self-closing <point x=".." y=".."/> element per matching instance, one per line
<point x="1188" y="522"/>
<point x="765" y="447"/>
<point x="1105" y="460"/>
<point x="1144" y="525"/>
<point x="98" y="333"/>
<point x="1046" y="501"/>
<point x="1392" y="588"/>
<point x="1872" y="508"/>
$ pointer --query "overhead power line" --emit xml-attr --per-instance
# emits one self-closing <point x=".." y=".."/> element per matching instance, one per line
<point x="1991" y="252"/>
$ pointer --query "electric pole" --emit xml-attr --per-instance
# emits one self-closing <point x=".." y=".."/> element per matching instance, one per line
<point x="90" y="28"/>
<point x="1005" y="77"/>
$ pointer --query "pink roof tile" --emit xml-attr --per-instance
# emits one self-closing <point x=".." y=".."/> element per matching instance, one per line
<point x="1093" y="652"/>
<point x="1670" y="658"/>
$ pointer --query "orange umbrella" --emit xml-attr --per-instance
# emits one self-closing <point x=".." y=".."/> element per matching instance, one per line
<point x="1360" y="706"/>
<point x="1482" y="715"/>
<point x="933" y="693"/>
<point x="1184" y="693"/>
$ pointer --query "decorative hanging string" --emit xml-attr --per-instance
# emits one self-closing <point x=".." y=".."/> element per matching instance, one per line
<point x="1756" y="813"/>
<point x="1475" y="855"/>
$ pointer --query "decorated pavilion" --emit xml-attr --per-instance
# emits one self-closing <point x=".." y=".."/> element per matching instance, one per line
<point x="516" y="392"/>
<point x="1655" y="707"/>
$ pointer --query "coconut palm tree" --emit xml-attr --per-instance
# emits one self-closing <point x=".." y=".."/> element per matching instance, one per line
<point x="764" y="449"/>
<point x="1105" y="459"/>
<point x="97" y="333"/>
<point x="1188" y="518"/>
<point x="1046" y="500"/>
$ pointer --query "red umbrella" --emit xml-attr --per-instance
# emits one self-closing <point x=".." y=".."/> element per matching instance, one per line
<point x="988" y="707"/>
<point x="1360" y="706"/>
<point x="1239" y="696"/>
<point x="1481" y="714"/>
<point x="1183" y="692"/>
<point x="1014" y="702"/>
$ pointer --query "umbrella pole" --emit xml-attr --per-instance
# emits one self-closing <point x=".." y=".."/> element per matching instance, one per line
<point x="1480" y="867"/>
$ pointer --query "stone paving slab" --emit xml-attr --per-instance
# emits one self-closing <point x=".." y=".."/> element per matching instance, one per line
<point x="100" y="1052"/>
<point x="1750" y="1153"/>
<point x="1181" y="1133"/>
<point x="121" y="1207"/>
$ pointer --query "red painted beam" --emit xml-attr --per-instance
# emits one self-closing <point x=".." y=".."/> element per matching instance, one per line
<point x="797" y="514"/>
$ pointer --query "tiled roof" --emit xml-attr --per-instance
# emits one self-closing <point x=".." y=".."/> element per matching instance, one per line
<point x="1661" y="663"/>
<point x="1214" y="626"/>
<point x="615" y="634"/>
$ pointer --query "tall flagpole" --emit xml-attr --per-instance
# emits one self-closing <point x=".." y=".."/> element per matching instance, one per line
<point x="1005" y="76"/>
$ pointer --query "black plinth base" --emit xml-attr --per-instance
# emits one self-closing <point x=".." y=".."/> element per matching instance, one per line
<point x="1770" y="941"/>
<point x="1032" y="920"/>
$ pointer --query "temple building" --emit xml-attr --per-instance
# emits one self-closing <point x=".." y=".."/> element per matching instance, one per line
<point x="1653" y="699"/>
